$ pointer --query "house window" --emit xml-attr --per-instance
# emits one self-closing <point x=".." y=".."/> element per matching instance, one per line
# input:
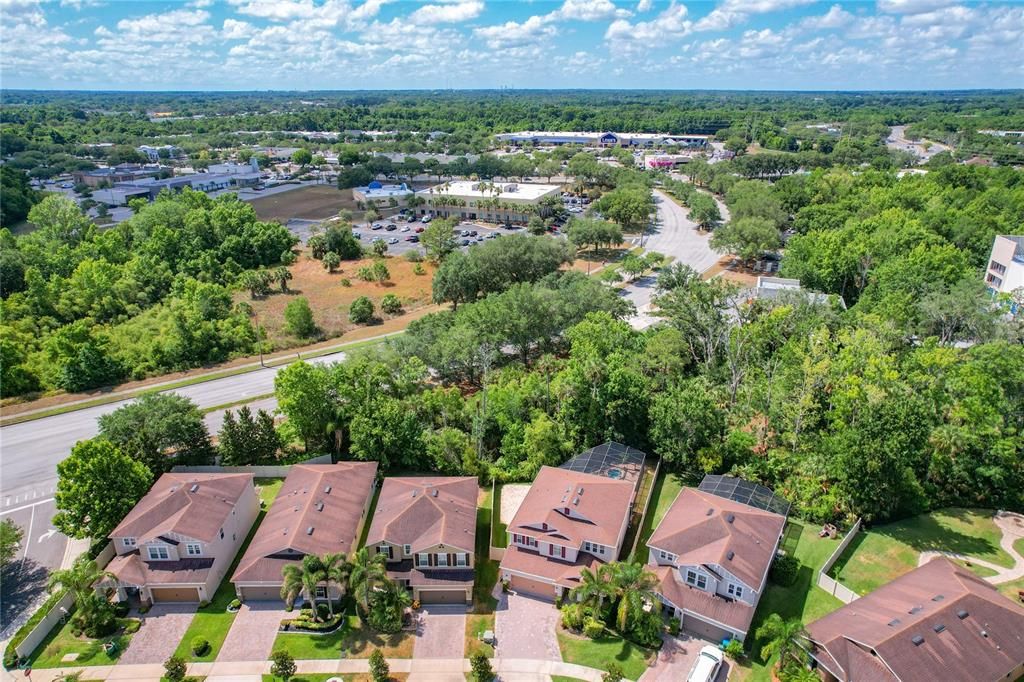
<point x="221" y="533"/>
<point x="385" y="550"/>
<point x="697" y="580"/>
<point x="462" y="559"/>
<point x="193" y="549"/>
<point x="666" y="556"/>
<point x="158" y="552"/>
<point x="128" y="542"/>
<point x="735" y="591"/>
<point x="407" y="549"/>
<point x="422" y="559"/>
<point x="442" y="559"/>
<point x="321" y="592"/>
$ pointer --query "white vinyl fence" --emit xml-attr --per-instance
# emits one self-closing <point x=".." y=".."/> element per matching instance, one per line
<point x="830" y="585"/>
<point x="258" y="470"/>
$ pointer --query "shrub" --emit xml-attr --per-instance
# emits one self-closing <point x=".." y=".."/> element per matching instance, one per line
<point x="102" y="622"/>
<point x="298" y="318"/>
<point x="613" y="674"/>
<point x="121" y="609"/>
<point x="235" y="604"/>
<point x="132" y="626"/>
<point x="784" y="570"/>
<point x="284" y="665"/>
<point x="391" y="304"/>
<point x="418" y="269"/>
<point x="734" y="649"/>
<point x="673" y="626"/>
<point x="480" y="665"/>
<point x="380" y="671"/>
<point x="361" y="310"/>
<point x="345" y="282"/>
<point x="144" y="609"/>
<point x="174" y="669"/>
<point x="593" y="628"/>
<point x="203" y="604"/>
<point x="322" y="611"/>
<point x="572" y="617"/>
<point x="413" y="256"/>
<point x="558" y="602"/>
<point x="199" y="646"/>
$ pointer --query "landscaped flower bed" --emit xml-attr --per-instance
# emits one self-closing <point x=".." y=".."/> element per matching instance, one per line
<point x="306" y="623"/>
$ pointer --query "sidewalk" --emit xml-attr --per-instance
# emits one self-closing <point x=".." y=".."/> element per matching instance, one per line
<point x="423" y="668"/>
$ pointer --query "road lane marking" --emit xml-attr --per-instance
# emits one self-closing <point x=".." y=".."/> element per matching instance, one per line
<point x="26" y="506"/>
<point x="31" y="520"/>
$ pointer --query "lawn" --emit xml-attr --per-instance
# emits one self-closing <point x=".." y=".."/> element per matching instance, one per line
<point x="498" y="530"/>
<point x="485" y="570"/>
<point x="802" y="600"/>
<point x="599" y="653"/>
<point x="329" y="297"/>
<point x="476" y="624"/>
<point x="212" y="622"/>
<point x="666" y="488"/>
<point x="351" y="641"/>
<point x="880" y="554"/>
<point x="1012" y="589"/>
<point x="1019" y="546"/>
<point x="61" y="642"/>
<point x="562" y="678"/>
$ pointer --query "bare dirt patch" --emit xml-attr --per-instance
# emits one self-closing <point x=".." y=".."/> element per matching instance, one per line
<point x="330" y="299"/>
<point x="315" y="202"/>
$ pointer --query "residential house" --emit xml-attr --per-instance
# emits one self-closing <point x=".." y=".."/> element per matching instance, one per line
<point x="569" y="520"/>
<point x="177" y="543"/>
<point x="319" y="510"/>
<point x="711" y="554"/>
<point x="938" y="622"/>
<point x="426" y="527"/>
<point x="1005" y="271"/>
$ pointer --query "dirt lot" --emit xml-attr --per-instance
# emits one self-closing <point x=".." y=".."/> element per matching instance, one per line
<point x="315" y="202"/>
<point x="330" y="299"/>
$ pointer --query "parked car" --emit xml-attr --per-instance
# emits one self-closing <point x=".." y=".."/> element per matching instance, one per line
<point x="391" y="227"/>
<point x="357" y="235"/>
<point x="472" y="233"/>
<point x="377" y="239"/>
<point x="393" y="240"/>
<point x="464" y="242"/>
<point x="464" y="233"/>
<point x="418" y="230"/>
<point x="412" y="238"/>
<point x="425" y="219"/>
<point x="705" y="668"/>
<point x="480" y="238"/>
<point x="375" y="226"/>
<point x="405" y="228"/>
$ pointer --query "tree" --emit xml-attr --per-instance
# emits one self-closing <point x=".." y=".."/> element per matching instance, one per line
<point x="97" y="486"/>
<point x="159" y="429"/>
<point x="336" y="569"/>
<point x="302" y="157"/>
<point x="283" y="666"/>
<point x="686" y="421"/>
<point x="10" y="541"/>
<point x="305" y="396"/>
<point x="361" y="310"/>
<point x="16" y="196"/>
<point x="535" y="226"/>
<point x="595" y="586"/>
<point x="391" y="304"/>
<point x="387" y="606"/>
<point x="245" y="440"/>
<point x="379" y="271"/>
<point x="480" y="666"/>
<point x="367" y="572"/>
<point x="303" y="579"/>
<point x="380" y="248"/>
<point x="298" y="318"/>
<point x="704" y="210"/>
<point x="781" y="637"/>
<point x="380" y="671"/>
<point x="93" y="612"/>
<point x="282" y="275"/>
<point x="755" y="199"/>
<point x="698" y="309"/>
<point x="629" y="206"/>
<point x="257" y="282"/>
<point x="747" y="238"/>
<point x="438" y="239"/>
<point x="332" y="260"/>
<point x="635" y="587"/>
<point x="175" y="669"/>
<point x="613" y="673"/>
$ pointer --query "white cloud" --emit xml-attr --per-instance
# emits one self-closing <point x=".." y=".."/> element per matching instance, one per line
<point x="912" y="6"/>
<point x="236" y="30"/>
<point x="588" y="10"/>
<point x="516" y="34"/>
<point x="732" y="13"/>
<point x="448" y="13"/>
<point x="276" y="10"/>
<point x="624" y="37"/>
<point x="644" y="6"/>
<point x="836" y="17"/>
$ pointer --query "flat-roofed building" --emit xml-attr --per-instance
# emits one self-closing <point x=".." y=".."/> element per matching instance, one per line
<point x="603" y="139"/>
<point x="496" y="202"/>
<point x="379" y="193"/>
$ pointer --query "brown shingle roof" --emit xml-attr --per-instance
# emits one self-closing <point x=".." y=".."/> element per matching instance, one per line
<point x="409" y="513"/>
<point x="733" y="613"/>
<point x="190" y="505"/>
<point x="698" y="537"/>
<point x="303" y="503"/>
<point x="604" y="503"/>
<point x="967" y="630"/>
<point x="557" y="571"/>
<point x="132" y="569"/>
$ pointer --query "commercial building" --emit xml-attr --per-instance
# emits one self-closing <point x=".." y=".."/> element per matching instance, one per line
<point x="938" y="622"/>
<point x="153" y="153"/>
<point x="712" y="551"/>
<point x="495" y="202"/>
<point x="1005" y="271"/>
<point x="320" y="509"/>
<point x="381" y="194"/>
<point x="127" y="172"/>
<point x="177" y="543"/>
<point x="425" y="526"/>
<point x="665" y="161"/>
<point x="604" y="139"/>
<point x="573" y="517"/>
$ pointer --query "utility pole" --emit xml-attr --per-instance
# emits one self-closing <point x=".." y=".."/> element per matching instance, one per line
<point x="259" y="338"/>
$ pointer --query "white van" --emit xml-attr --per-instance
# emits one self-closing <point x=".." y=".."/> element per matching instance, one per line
<point x="705" y="668"/>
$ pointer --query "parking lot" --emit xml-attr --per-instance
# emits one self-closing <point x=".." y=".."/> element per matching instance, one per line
<point x="399" y="242"/>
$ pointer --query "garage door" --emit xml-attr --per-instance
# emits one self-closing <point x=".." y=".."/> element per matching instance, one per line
<point x="443" y="596"/>
<point x="532" y="588"/>
<point x="705" y="630"/>
<point x="175" y="594"/>
<point x="261" y="593"/>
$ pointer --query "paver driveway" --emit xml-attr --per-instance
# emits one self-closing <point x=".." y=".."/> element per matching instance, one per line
<point x="441" y="632"/>
<point x="251" y="636"/>
<point x="676" y="657"/>
<point x="525" y="628"/>
<point x="162" y="629"/>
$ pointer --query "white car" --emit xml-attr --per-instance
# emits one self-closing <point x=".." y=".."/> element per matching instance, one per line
<point x="705" y="668"/>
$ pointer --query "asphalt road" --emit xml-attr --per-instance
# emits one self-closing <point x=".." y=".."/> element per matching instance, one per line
<point x="675" y="235"/>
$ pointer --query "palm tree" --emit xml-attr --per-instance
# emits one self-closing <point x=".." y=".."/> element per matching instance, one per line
<point x="282" y="274"/>
<point x="389" y="601"/>
<point x="336" y="570"/>
<point x="781" y="637"/>
<point x="594" y="586"/>
<point x="79" y="581"/>
<point x="303" y="579"/>
<point x="367" y="572"/>
<point x="634" y="585"/>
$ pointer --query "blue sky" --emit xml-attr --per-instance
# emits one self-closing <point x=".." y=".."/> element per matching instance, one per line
<point x="381" y="44"/>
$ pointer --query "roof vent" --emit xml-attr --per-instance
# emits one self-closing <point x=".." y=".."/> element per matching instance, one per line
<point x="434" y="493"/>
<point x="730" y="554"/>
<point x="580" y="491"/>
<point x="327" y="490"/>
<point x="414" y="493"/>
<point x="961" y="614"/>
<point x="568" y="488"/>
<point x="710" y="511"/>
<point x="296" y="507"/>
<point x="916" y="609"/>
<point x="938" y="597"/>
<point x="319" y="506"/>
<point x="918" y="640"/>
<point x="563" y="498"/>
<point x="195" y="487"/>
<point x="309" y="531"/>
<point x="729" y="518"/>
<point x="894" y="622"/>
<point x="938" y="627"/>
<point x="576" y="500"/>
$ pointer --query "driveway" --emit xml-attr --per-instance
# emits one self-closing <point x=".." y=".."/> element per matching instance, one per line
<point x="251" y="636"/>
<point x="525" y="628"/>
<point x="163" y="626"/>
<point x="677" y="656"/>
<point x="441" y="632"/>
